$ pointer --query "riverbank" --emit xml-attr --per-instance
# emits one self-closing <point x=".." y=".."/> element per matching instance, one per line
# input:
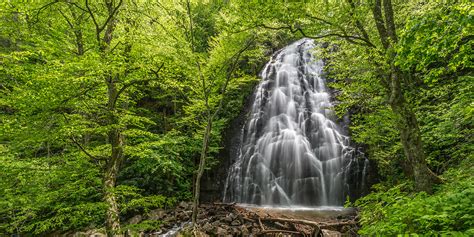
<point x="220" y="219"/>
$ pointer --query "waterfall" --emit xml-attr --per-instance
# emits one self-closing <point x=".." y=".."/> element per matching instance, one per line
<point x="292" y="152"/>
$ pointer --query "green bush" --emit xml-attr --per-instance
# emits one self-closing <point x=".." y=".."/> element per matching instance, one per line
<point x="396" y="210"/>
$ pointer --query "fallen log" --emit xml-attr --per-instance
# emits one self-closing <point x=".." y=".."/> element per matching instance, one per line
<point x="315" y="225"/>
<point x="337" y="224"/>
<point x="280" y="231"/>
<point x="224" y="204"/>
<point x="260" y="223"/>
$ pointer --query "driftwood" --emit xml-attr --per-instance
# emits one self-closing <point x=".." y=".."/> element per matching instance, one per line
<point x="337" y="224"/>
<point x="260" y="223"/>
<point x="224" y="204"/>
<point x="315" y="225"/>
<point x="280" y="231"/>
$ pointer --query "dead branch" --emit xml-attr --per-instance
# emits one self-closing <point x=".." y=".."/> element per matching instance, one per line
<point x="316" y="225"/>
<point x="260" y="223"/>
<point x="281" y="231"/>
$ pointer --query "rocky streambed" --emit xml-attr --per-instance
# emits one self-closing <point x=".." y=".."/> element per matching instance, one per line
<point x="220" y="219"/>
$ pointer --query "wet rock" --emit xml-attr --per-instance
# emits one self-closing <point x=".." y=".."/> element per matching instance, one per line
<point x="216" y="223"/>
<point x="220" y="231"/>
<point x="135" y="220"/>
<point x="235" y="232"/>
<point x="157" y="214"/>
<point x="95" y="233"/>
<point x="227" y="219"/>
<point x="331" y="233"/>
<point x="244" y="230"/>
<point x="184" y="205"/>
<point x="207" y="228"/>
<point x="183" y="215"/>
<point x="235" y="223"/>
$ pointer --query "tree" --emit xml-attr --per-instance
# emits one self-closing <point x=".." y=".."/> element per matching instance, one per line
<point x="66" y="70"/>
<point x="219" y="70"/>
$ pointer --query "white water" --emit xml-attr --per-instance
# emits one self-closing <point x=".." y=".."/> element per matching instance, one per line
<point x="293" y="153"/>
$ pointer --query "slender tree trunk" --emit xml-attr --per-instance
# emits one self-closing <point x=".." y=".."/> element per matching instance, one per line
<point x="113" y="163"/>
<point x="110" y="175"/>
<point x="410" y="137"/>
<point x="115" y="136"/>
<point x="202" y="165"/>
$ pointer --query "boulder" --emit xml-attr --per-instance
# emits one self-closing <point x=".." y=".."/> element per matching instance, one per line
<point x="220" y="231"/>
<point x="244" y="230"/>
<point x="184" y="205"/>
<point x="227" y="219"/>
<point x="235" y="223"/>
<point x="331" y="233"/>
<point x="135" y="220"/>
<point x="157" y="214"/>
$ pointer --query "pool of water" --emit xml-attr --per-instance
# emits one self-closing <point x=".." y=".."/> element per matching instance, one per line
<point x="303" y="211"/>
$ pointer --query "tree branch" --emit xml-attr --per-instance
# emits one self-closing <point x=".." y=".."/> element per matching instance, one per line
<point x="84" y="150"/>
<point x="67" y="19"/>
<point x="110" y="16"/>
<point x="97" y="31"/>
<point x="231" y="70"/>
<point x="36" y="17"/>
<point x="349" y="38"/>
<point x="379" y="23"/>
<point x="77" y="5"/>
<point x="127" y="85"/>
<point x="358" y="24"/>
<point x="389" y="21"/>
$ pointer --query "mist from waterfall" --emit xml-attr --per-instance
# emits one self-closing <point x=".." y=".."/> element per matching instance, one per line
<point x="292" y="152"/>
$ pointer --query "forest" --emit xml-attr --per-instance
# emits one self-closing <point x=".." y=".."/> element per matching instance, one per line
<point x="114" y="112"/>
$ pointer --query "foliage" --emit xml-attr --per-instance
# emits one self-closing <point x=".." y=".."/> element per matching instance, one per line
<point x="434" y="50"/>
<point x="54" y="135"/>
<point x="397" y="210"/>
<point x="437" y="41"/>
<point x="33" y="194"/>
<point x="56" y="123"/>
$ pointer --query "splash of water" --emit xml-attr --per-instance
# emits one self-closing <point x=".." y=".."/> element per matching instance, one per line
<point x="292" y="152"/>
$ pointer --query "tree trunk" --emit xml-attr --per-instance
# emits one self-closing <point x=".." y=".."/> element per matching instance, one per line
<point x="407" y="123"/>
<point x="112" y="218"/>
<point x="410" y="137"/>
<point x="202" y="165"/>
<point x="113" y="163"/>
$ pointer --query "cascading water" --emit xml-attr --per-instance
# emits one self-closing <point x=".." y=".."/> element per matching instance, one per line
<point x="292" y="152"/>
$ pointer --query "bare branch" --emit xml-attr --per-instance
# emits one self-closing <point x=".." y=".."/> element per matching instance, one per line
<point x="95" y="158"/>
<point x="79" y="7"/>
<point x="358" y="24"/>
<point x="350" y="38"/>
<point x="38" y="12"/>
<point x="153" y="20"/>
<point x="67" y="19"/>
<point x="191" y="32"/>
<point x="97" y="31"/>
<point x="112" y="14"/>
<point x="127" y="85"/>
<point x="236" y="58"/>
<point x="84" y="150"/>
<point x="320" y="20"/>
